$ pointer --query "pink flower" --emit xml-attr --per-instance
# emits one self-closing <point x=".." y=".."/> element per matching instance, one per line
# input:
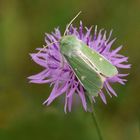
<point x="63" y="79"/>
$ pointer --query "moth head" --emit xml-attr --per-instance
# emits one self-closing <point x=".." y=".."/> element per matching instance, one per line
<point x="69" y="43"/>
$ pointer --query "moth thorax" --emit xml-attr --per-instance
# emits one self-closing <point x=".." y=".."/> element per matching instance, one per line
<point x="69" y="44"/>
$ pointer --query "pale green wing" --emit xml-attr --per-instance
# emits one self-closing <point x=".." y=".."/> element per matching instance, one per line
<point x="88" y="77"/>
<point x="98" y="61"/>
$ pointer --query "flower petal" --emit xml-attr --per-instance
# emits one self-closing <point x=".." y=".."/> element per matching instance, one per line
<point x="103" y="97"/>
<point x="111" y="89"/>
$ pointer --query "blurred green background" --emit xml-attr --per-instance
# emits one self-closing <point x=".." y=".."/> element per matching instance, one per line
<point x="22" y="27"/>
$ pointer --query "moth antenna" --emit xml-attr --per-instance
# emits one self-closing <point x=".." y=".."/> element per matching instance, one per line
<point x="45" y="46"/>
<point x="71" y="22"/>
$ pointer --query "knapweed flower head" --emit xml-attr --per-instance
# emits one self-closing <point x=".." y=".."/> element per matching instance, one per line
<point x="62" y="77"/>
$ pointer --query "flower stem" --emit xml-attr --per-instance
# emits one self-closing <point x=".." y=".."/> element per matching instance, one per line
<point x="96" y="125"/>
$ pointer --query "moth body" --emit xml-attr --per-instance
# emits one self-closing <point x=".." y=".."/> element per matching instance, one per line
<point x="90" y="67"/>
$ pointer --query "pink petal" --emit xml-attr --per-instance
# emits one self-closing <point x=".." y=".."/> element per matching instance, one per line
<point x="103" y="97"/>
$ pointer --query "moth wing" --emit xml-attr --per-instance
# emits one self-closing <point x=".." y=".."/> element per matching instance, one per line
<point x="100" y="62"/>
<point x="85" y="73"/>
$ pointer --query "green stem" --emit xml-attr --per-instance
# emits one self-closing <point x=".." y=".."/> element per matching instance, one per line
<point x="96" y="125"/>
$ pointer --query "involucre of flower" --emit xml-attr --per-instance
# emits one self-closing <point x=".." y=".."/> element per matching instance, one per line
<point x="63" y="78"/>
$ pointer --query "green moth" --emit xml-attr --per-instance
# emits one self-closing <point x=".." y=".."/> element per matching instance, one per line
<point x="90" y="67"/>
